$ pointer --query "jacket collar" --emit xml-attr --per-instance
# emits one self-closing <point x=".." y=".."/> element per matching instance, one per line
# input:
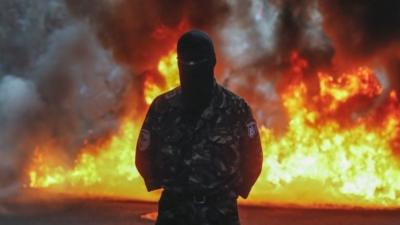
<point x="218" y="101"/>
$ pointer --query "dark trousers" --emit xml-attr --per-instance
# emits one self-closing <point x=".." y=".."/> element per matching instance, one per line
<point x="176" y="209"/>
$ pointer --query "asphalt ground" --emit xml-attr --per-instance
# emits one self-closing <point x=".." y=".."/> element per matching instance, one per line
<point x="61" y="210"/>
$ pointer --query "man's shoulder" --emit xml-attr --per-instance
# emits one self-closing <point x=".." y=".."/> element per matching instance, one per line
<point x="233" y="99"/>
<point x="169" y="96"/>
<point x="162" y="102"/>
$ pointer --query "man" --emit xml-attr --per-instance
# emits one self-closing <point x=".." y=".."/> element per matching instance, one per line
<point x="199" y="142"/>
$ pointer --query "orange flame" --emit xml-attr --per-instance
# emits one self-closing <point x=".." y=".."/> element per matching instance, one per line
<point x="168" y="68"/>
<point x="111" y="170"/>
<point x="318" y="161"/>
<point x="348" y="85"/>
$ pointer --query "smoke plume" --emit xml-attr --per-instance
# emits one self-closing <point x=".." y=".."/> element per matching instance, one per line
<point x="365" y="32"/>
<point x="58" y="87"/>
<point x="140" y="32"/>
<point x="69" y="69"/>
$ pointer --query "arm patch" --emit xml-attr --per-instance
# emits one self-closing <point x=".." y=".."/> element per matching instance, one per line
<point x="144" y="140"/>
<point x="251" y="129"/>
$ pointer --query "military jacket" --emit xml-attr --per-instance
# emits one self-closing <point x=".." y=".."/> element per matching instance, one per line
<point x="219" y="151"/>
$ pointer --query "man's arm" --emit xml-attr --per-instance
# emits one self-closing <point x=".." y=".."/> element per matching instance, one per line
<point x="251" y="150"/>
<point x="145" y="151"/>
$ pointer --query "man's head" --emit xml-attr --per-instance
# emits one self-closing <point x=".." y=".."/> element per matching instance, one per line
<point x="196" y="62"/>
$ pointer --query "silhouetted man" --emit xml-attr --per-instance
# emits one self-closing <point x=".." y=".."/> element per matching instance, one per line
<point x="199" y="142"/>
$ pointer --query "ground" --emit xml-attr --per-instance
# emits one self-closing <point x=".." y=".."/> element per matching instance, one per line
<point x="80" y="211"/>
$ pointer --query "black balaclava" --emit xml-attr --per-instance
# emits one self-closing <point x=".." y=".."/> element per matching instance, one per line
<point x="196" y="62"/>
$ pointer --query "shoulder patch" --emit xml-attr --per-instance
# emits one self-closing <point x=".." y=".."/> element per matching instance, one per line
<point x="251" y="129"/>
<point x="144" y="140"/>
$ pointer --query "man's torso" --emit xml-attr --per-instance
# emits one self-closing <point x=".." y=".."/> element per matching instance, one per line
<point x="198" y="154"/>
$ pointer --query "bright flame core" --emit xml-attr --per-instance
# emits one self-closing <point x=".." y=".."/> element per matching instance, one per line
<point x="168" y="68"/>
<point x="320" y="160"/>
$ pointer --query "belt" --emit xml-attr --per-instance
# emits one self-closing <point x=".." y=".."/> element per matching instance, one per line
<point x="201" y="198"/>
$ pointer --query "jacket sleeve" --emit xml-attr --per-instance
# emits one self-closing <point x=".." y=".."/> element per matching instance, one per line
<point x="251" y="152"/>
<point x="146" y="149"/>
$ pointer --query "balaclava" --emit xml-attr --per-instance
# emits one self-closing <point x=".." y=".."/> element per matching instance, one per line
<point x="196" y="62"/>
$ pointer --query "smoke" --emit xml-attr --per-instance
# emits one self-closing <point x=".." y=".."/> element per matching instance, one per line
<point x="251" y="37"/>
<point x="365" y="32"/>
<point x="67" y="90"/>
<point x="254" y="39"/>
<point x="81" y="86"/>
<point x="19" y="101"/>
<point x="68" y="68"/>
<point x="360" y="28"/>
<point x="264" y="33"/>
<point x="24" y="28"/>
<point x="75" y="61"/>
<point x="140" y="32"/>
<point x="257" y="40"/>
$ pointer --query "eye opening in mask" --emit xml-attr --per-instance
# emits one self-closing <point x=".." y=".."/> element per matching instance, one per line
<point x="192" y="63"/>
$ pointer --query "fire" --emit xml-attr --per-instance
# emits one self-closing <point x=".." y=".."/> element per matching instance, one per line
<point x="326" y="157"/>
<point x="348" y="85"/>
<point x="106" y="169"/>
<point x="318" y="160"/>
<point x="168" y="68"/>
<point x="108" y="172"/>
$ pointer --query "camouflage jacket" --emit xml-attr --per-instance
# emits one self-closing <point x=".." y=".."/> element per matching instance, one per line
<point x="220" y="151"/>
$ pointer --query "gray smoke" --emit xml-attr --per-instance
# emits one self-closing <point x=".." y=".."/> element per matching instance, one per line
<point x="365" y="32"/>
<point x="257" y="41"/>
<point x="69" y="68"/>
<point x="24" y="28"/>
<point x="153" y="26"/>
<point x="67" y="61"/>
<point x="19" y="101"/>
<point x="80" y="84"/>
<point x="66" y="89"/>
